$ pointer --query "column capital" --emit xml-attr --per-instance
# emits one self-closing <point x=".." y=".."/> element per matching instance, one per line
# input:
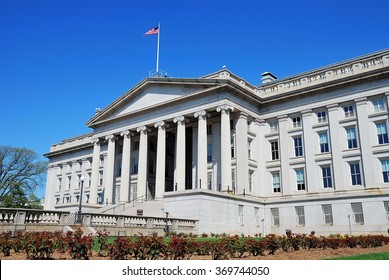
<point x="179" y="119"/>
<point x="259" y="121"/>
<point x="360" y="101"/>
<point x="243" y="115"/>
<point x="110" y="137"/>
<point x="225" y="108"/>
<point x="95" y="141"/>
<point x="203" y="114"/>
<point x="161" y="124"/>
<point x="126" y="133"/>
<point x="333" y="107"/>
<point x="142" y="129"/>
<point x="282" y="118"/>
<point x="306" y="113"/>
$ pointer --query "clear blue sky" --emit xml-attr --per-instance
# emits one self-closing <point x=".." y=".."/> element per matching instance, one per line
<point x="61" y="59"/>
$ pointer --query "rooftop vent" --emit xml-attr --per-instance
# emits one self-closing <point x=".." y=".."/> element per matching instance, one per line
<point x="268" y="77"/>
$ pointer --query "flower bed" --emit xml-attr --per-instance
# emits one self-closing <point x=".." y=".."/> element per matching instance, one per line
<point x="44" y="245"/>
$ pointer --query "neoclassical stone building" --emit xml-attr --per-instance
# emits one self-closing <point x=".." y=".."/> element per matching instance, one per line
<point x="306" y="152"/>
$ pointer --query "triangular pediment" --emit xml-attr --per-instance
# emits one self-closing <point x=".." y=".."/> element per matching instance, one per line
<point x="148" y="94"/>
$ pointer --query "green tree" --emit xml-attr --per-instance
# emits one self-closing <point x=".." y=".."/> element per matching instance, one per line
<point x="21" y="172"/>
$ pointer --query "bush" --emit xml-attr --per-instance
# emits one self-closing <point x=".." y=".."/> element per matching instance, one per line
<point x="121" y="249"/>
<point x="40" y="245"/>
<point x="80" y="246"/>
<point x="180" y="248"/>
<point x="256" y="247"/>
<point x="149" y="247"/>
<point x="6" y="243"/>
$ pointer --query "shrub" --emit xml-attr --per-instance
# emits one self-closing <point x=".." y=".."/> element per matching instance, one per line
<point x="102" y="243"/>
<point x="180" y="248"/>
<point x="272" y="243"/>
<point x="203" y="248"/>
<point x="40" y="245"/>
<point x="80" y="246"/>
<point x="219" y="249"/>
<point x="149" y="247"/>
<point x="255" y="247"/>
<point x="121" y="249"/>
<point x="6" y="243"/>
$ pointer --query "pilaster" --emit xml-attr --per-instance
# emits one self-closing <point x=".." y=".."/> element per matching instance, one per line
<point x="142" y="162"/>
<point x="286" y="184"/>
<point x="180" y="153"/>
<point x="309" y="151"/>
<point x="242" y="153"/>
<point x="95" y="171"/>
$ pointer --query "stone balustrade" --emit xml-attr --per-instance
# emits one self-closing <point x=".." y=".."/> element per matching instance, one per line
<point x="336" y="72"/>
<point x="42" y="220"/>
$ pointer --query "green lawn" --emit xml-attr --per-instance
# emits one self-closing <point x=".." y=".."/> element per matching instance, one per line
<point x="371" y="256"/>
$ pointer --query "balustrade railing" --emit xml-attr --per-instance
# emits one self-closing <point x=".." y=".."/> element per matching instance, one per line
<point x="30" y="217"/>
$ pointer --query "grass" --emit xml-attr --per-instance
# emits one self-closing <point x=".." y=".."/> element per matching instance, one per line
<point x="371" y="256"/>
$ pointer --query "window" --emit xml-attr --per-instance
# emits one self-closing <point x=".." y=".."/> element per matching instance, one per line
<point x="209" y="152"/>
<point x="100" y="198"/>
<point x="298" y="147"/>
<point x="232" y="148"/>
<point x="152" y="146"/>
<point x="231" y="124"/>
<point x="251" y="179"/>
<point x="209" y="129"/>
<point x="276" y="182"/>
<point x="57" y="200"/>
<point x="209" y="180"/>
<point x="382" y="133"/>
<point x="351" y="138"/>
<point x="386" y="206"/>
<point x="101" y="178"/>
<point x="379" y="105"/>
<point x="134" y="165"/>
<point x="357" y="213"/>
<point x="296" y="122"/>
<point x="327" y="214"/>
<point x="59" y="184"/>
<point x="274" y="150"/>
<point x="355" y="174"/>
<point x="321" y="117"/>
<point x="327" y="180"/>
<point x="275" y="217"/>
<point x="69" y="182"/>
<point x="385" y="170"/>
<point x="300" y="180"/>
<point x="273" y="127"/>
<point x="348" y="111"/>
<point x="249" y="149"/>
<point x="300" y="215"/>
<point x="324" y="148"/>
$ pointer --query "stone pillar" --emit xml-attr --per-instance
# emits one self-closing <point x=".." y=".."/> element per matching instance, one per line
<point x="180" y="153"/>
<point x="202" y="163"/>
<point x="125" y="177"/>
<point x="225" y="146"/>
<point x="95" y="171"/>
<point x="75" y="181"/>
<point x="261" y="187"/>
<point x="109" y="170"/>
<point x="161" y="159"/>
<point x="50" y="188"/>
<point x="283" y="146"/>
<point x="365" y="142"/>
<point x="336" y="147"/>
<point x="142" y="163"/>
<point x="242" y="157"/>
<point x="309" y="151"/>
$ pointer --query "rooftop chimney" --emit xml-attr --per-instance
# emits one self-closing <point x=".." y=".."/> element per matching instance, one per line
<point x="268" y="77"/>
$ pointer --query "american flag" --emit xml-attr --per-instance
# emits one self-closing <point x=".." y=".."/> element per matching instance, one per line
<point x="152" y="31"/>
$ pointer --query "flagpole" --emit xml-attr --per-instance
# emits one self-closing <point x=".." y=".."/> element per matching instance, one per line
<point x="159" y="32"/>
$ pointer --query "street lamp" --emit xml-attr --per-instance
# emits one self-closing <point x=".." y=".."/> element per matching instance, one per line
<point x="79" y="219"/>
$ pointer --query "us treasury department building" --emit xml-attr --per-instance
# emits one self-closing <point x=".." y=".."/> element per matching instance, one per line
<point x="307" y="153"/>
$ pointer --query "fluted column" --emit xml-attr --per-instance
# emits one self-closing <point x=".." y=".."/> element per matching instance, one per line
<point x="161" y="158"/>
<point x="287" y="186"/>
<point x="202" y="148"/>
<point x="309" y="151"/>
<point x="125" y="177"/>
<point x="225" y="146"/>
<point x="95" y="171"/>
<point x="242" y="157"/>
<point x="366" y="143"/>
<point x="336" y="148"/>
<point x="180" y="153"/>
<point x="109" y="170"/>
<point x="142" y="162"/>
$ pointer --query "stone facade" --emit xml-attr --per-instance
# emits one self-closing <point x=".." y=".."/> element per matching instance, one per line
<point x="307" y="152"/>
